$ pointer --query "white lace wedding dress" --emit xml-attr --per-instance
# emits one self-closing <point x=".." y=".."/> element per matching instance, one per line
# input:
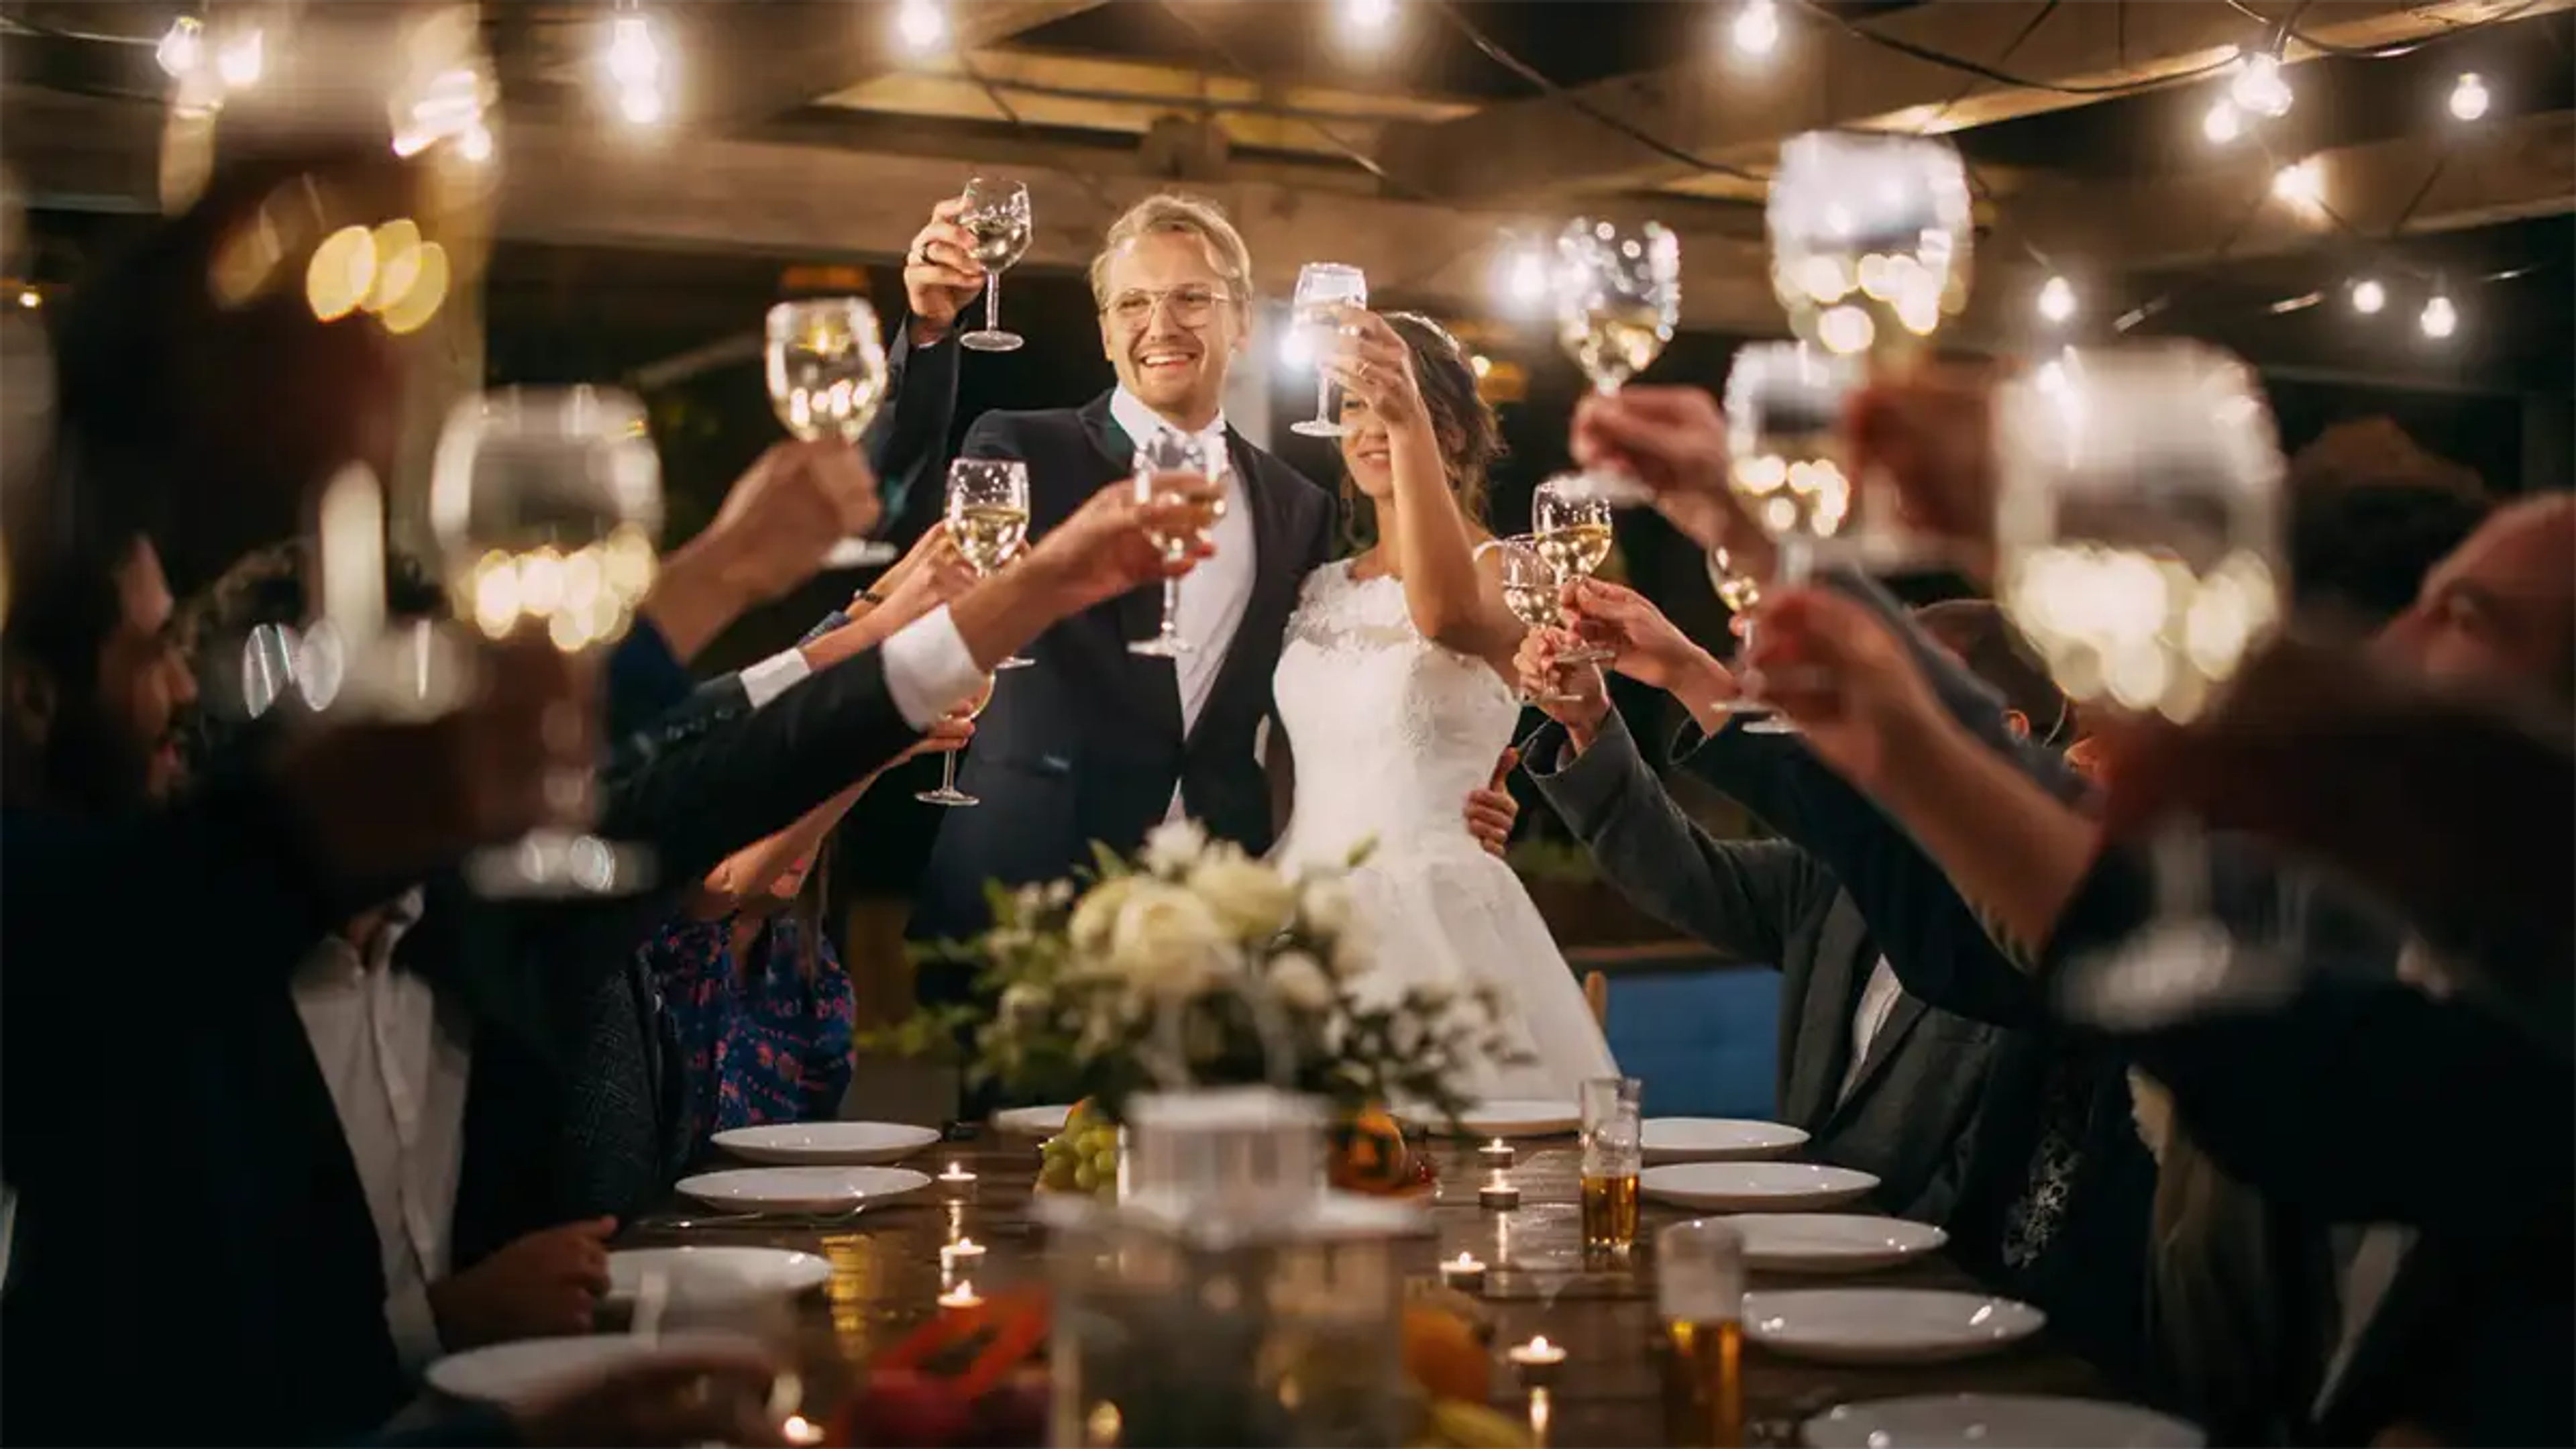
<point x="1390" y="732"/>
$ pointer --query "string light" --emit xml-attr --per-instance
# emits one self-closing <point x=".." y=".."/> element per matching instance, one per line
<point x="1522" y="279"/>
<point x="2259" y="87"/>
<point x="2223" y="124"/>
<point x="1756" y="28"/>
<point x="2440" y="319"/>
<point x="2302" y="184"/>
<point x="2368" y="296"/>
<point x="2469" y="98"/>
<point x="183" y="47"/>
<point x="30" y="298"/>
<point x="922" y="24"/>
<point x="1367" y="19"/>
<point x="242" y="59"/>
<point x="635" y="66"/>
<point x="2057" y="300"/>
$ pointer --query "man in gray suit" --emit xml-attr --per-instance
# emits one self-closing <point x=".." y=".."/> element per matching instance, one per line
<point x="1879" y="1080"/>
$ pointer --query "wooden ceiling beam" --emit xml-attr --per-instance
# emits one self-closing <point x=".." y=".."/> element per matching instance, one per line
<point x="735" y="65"/>
<point x="1717" y="107"/>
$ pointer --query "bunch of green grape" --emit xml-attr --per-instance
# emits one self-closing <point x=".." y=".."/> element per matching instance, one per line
<point x="1081" y="1158"/>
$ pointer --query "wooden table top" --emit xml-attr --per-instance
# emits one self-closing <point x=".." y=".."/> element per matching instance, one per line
<point x="886" y="1276"/>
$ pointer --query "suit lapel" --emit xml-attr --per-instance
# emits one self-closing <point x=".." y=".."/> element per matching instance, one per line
<point x="1901" y="1020"/>
<point x="1822" y="1052"/>
<point x="1139" y="612"/>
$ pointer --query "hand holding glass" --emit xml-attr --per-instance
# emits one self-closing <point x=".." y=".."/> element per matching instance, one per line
<point x="1323" y="290"/>
<point x="996" y="215"/>
<point x="988" y="517"/>
<point x="1171" y="466"/>
<point x="827" y="376"/>
<point x="948" y="793"/>
<point x="1533" y="590"/>
<point x="1571" y="525"/>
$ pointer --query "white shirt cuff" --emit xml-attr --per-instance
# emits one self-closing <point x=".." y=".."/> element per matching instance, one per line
<point x="928" y="669"/>
<point x="774" y="676"/>
<point x="414" y="1326"/>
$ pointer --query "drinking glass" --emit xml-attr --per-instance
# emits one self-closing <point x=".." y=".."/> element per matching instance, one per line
<point x="996" y="216"/>
<point x="827" y="375"/>
<point x="1613" y="1154"/>
<point x="948" y="793"/>
<point x="1784" y="406"/>
<point x="1170" y="465"/>
<point x="544" y="503"/>
<point x="1618" y="295"/>
<point x="1323" y="288"/>
<point x="710" y="1308"/>
<point x="1699" y="1295"/>
<point x="1742" y="594"/>
<point x="2139" y="547"/>
<point x="1870" y="249"/>
<point x="1534" y="591"/>
<point x="1571" y="524"/>
<point x="988" y="517"/>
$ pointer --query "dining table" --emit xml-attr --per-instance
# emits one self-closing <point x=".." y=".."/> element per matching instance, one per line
<point x="888" y="1273"/>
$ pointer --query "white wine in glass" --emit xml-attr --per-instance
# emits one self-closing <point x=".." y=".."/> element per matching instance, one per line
<point x="827" y="376"/>
<point x="996" y="217"/>
<point x="1571" y="524"/>
<point x="1169" y="465"/>
<point x="545" y="504"/>
<point x="948" y="793"/>
<point x="988" y="517"/>
<point x="1741" y="593"/>
<point x="1870" y="241"/>
<point x="1618" y="295"/>
<point x="1323" y="289"/>
<point x="1533" y="590"/>
<point x="1784" y="405"/>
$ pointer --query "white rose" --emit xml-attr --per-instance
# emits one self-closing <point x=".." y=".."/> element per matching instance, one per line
<point x="1166" y="940"/>
<point x="1246" y="895"/>
<point x="1023" y="997"/>
<point x="1098" y="913"/>
<point x="1172" y="847"/>
<point x="1326" y="904"/>
<point x="1299" y="980"/>
<point x="1350" y="954"/>
<point x="1058" y="894"/>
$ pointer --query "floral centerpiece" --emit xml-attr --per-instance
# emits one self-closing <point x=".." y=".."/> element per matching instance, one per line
<point x="1195" y="965"/>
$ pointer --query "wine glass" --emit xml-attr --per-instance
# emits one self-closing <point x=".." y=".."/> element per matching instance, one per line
<point x="2139" y="547"/>
<point x="996" y="215"/>
<point x="1742" y="594"/>
<point x="988" y="517"/>
<point x="1618" y="296"/>
<point x="948" y="793"/>
<point x="1171" y="465"/>
<point x="827" y="375"/>
<point x="1323" y="289"/>
<point x="545" y="503"/>
<point x="1571" y="524"/>
<point x="1784" y="407"/>
<point x="696" y="1309"/>
<point x="1871" y="238"/>
<point x="1534" y="591"/>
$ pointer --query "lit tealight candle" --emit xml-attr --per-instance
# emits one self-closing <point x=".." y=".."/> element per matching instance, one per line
<point x="963" y="1296"/>
<point x="1496" y="1154"/>
<point x="956" y="1181"/>
<point x="1538" y="1359"/>
<point x="797" y="1429"/>
<point x="1463" y="1273"/>
<point x="1499" y="1194"/>
<point x="961" y="1254"/>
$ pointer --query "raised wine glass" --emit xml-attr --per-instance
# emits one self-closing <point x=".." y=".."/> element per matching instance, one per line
<point x="1618" y="293"/>
<point x="988" y="517"/>
<point x="827" y="375"/>
<point x="1871" y="239"/>
<point x="1323" y="289"/>
<point x="1534" y="591"/>
<point x="1784" y="406"/>
<point x="996" y="216"/>
<point x="948" y="793"/>
<point x="2139" y="548"/>
<point x="1170" y="463"/>
<point x="545" y="504"/>
<point x="1741" y="592"/>
<point x="1571" y="524"/>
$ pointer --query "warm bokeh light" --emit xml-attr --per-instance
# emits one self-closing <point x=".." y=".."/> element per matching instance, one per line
<point x="1756" y="29"/>
<point x="2469" y="99"/>
<point x="2368" y="296"/>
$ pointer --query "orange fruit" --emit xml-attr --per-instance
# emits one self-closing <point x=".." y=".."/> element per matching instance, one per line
<point x="1369" y="1154"/>
<point x="1443" y="1356"/>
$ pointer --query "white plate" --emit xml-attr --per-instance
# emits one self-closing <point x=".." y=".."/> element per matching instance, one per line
<point x="1997" y="1421"/>
<point x="845" y="1144"/>
<point x="717" y="1269"/>
<point x="1831" y="1242"/>
<point x="1753" y="1187"/>
<point x="801" y="1189"/>
<point x="1504" y="1117"/>
<point x="1719" y="1139"/>
<point x="1032" y="1121"/>
<point x="1886" y="1325"/>
<point x="534" y="1368"/>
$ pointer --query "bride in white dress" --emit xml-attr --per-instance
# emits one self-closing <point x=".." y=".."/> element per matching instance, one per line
<point x="1392" y="685"/>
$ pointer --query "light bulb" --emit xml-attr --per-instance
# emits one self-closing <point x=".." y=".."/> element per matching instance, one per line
<point x="1524" y="279"/>
<point x="242" y="59"/>
<point x="2368" y="296"/>
<point x="2259" y="86"/>
<point x="2440" y="318"/>
<point x="2469" y="98"/>
<point x="2222" y="124"/>
<point x="183" y="46"/>
<point x="2301" y="184"/>
<point x="30" y="298"/>
<point x="1757" y="27"/>
<point x="1367" y="18"/>
<point x="2057" y="300"/>
<point x="921" y="24"/>
<point x="476" y="144"/>
<point x="634" y="61"/>
<point x="641" y="105"/>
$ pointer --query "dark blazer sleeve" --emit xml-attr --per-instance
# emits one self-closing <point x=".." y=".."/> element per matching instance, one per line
<point x="756" y="772"/>
<point x="697" y="710"/>
<point x="1736" y="896"/>
<point x="644" y="679"/>
<point x="907" y="444"/>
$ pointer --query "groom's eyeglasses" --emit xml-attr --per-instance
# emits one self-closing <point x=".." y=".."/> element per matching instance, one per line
<point x="1191" y="305"/>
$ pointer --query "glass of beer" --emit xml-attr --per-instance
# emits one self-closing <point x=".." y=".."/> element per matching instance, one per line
<point x="1699" y="1294"/>
<point x="1613" y="1152"/>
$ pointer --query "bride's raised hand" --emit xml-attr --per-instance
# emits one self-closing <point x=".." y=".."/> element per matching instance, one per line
<point x="1373" y="365"/>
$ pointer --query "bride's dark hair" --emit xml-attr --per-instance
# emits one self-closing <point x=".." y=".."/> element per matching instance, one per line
<point x="1470" y="435"/>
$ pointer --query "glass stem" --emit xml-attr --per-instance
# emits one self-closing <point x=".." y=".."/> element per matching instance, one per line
<point x="1171" y="608"/>
<point x="1797" y="561"/>
<point x="1323" y="396"/>
<point x="2179" y="859"/>
<point x="993" y="303"/>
